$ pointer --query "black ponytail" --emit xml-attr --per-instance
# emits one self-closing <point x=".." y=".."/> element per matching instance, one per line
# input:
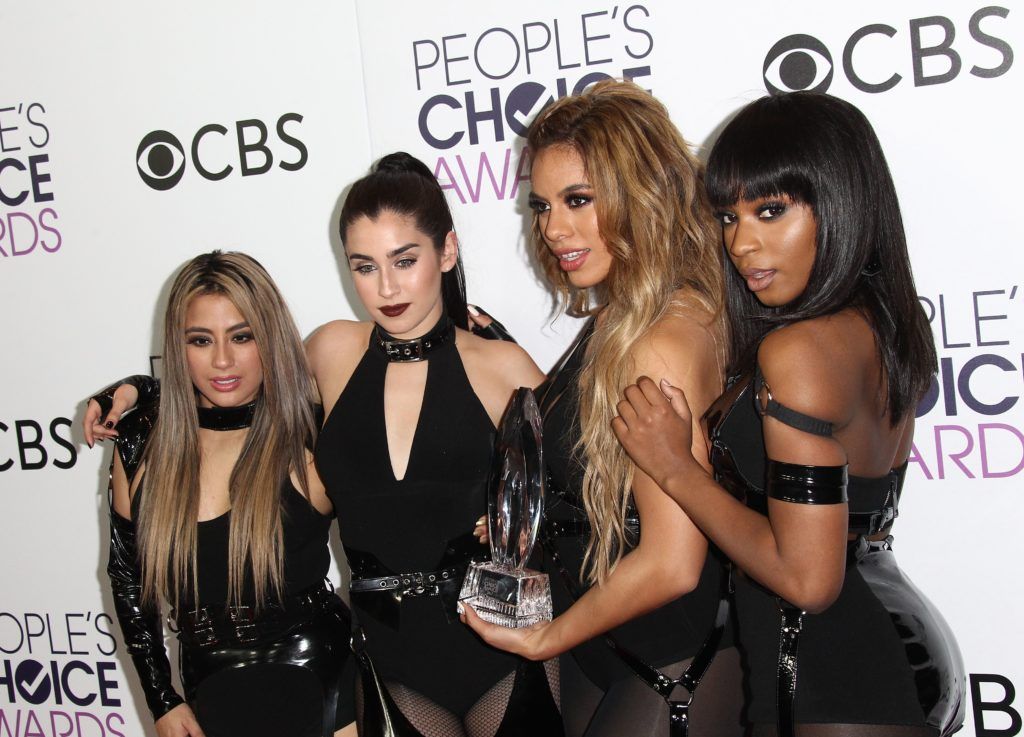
<point x="402" y="184"/>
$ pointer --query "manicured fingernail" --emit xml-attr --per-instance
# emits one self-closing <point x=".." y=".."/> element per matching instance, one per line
<point x="473" y="310"/>
<point x="108" y="424"/>
<point x="664" y="382"/>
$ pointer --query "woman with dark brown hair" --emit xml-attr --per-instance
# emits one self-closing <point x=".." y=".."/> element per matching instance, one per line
<point x="412" y="400"/>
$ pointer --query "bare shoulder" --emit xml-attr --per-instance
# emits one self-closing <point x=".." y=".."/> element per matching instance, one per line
<point x="499" y="358"/>
<point x="818" y="366"/>
<point x="686" y="340"/>
<point x="337" y="338"/>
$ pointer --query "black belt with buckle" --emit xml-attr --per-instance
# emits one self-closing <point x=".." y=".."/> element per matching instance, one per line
<point x="215" y="625"/>
<point x="408" y="584"/>
<point x="379" y="590"/>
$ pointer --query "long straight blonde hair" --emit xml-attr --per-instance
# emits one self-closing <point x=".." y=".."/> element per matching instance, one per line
<point x="653" y="214"/>
<point x="283" y="428"/>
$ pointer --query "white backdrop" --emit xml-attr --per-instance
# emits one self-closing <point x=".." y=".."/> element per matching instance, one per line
<point x="299" y="102"/>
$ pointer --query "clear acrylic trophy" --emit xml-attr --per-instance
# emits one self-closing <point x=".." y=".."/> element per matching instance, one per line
<point x="502" y="591"/>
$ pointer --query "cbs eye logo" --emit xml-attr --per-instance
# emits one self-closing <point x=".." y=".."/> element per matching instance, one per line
<point x="797" y="62"/>
<point x="215" y="150"/>
<point x="938" y="54"/>
<point x="160" y="160"/>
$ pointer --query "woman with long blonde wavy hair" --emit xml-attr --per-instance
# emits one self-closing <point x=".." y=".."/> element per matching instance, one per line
<point x="623" y="230"/>
<point x="217" y="509"/>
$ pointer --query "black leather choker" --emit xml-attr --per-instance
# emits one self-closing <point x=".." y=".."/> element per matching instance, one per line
<point x="226" y="418"/>
<point x="417" y="349"/>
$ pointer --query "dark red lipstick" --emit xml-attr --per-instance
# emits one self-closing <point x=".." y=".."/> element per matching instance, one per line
<point x="394" y="310"/>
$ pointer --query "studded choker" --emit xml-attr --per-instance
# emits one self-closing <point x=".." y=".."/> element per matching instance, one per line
<point x="417" y="349"/>
<point x="226" y="418"/>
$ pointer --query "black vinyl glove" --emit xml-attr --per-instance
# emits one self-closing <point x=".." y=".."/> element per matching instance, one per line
<point x="140" y="624"/>
<point x="147" y="386"/>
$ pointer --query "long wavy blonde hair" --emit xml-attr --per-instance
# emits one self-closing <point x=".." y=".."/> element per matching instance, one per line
<point x="283" y="428"/>
<point x="653" y="215"/>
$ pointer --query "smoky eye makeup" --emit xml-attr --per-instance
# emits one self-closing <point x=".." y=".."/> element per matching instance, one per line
<point x="537" y="204"/>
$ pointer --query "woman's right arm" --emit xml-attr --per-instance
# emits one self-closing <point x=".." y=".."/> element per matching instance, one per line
<point x="798" y="551"/>
<point x="140" y="623"/>
<point x="105" y="408"/>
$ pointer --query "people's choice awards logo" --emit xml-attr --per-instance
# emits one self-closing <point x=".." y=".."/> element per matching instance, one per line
<point x="28" y="214"/>
<point x="58" y="676"/>
<point x="873" y="54"/>
<point x="973" y="407"/>
<point x="477" y="91"/>
<point x="215" y="151"/>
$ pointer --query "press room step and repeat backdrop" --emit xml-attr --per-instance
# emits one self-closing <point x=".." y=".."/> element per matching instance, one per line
<point x="134" y="136"/>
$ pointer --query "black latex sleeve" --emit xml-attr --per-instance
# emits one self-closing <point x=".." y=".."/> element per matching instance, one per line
<point x="147" y="386"/>
<point x="141" y="626"/>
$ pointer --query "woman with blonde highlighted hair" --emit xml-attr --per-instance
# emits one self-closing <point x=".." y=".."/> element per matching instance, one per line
<point x="624" y="233"/>
<point x="217" y="509"/>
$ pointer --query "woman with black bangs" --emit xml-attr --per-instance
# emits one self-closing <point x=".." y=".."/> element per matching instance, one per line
<point x="830" y="353"/>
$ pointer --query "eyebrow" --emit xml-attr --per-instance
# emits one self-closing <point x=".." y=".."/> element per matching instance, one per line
<point x="390" y="254"/>
<point x="233" y="328"/>
<point x="564" y="191"/>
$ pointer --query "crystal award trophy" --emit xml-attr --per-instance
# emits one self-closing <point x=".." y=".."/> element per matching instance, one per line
<point x="502" y="591"/>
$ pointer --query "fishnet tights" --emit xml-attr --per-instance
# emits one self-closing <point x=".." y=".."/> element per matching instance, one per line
<point x="482" y="720"/>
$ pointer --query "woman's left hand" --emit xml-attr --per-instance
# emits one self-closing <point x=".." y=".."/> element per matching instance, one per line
<point x="480" y="531"/>
<point x="527" y="642"/>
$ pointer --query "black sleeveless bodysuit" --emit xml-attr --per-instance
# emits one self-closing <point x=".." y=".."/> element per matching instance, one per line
<point x="421" y="523"/>
<point x="306" y="556"/>
<point x="667" y="635"/>
<point x="881" y="654"/>
<point x="297" y="670"/>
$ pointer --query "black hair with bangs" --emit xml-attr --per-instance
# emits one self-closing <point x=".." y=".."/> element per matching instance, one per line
<point x="821" y="151"/>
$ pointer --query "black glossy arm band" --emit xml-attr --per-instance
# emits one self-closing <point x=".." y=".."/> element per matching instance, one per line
<point x="791" y="482"/>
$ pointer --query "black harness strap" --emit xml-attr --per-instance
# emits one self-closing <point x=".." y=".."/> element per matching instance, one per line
<point x="766" y="405"/>
<point x="662" y="684"/>
<point x="789" y="641"/>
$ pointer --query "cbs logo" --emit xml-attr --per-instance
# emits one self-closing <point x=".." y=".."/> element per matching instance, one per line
<point x="161" y="158"/>
<point x="803" y="62"/>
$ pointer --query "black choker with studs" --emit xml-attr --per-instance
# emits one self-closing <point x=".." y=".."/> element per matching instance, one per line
<point x="226" y="418"/>
<point x="417" y="349"/>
